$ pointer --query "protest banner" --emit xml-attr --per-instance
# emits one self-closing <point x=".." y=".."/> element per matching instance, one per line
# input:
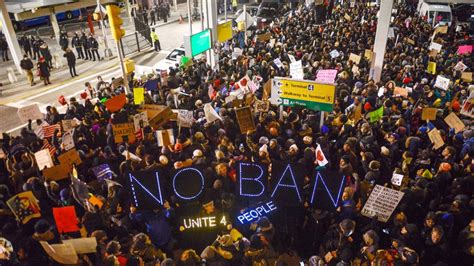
<point x="466" y="76"/>
<point x="396" y="179"/>
<point x="245" y="119"/>
<point x="158" y="115"/>
<point x="296" y="70"/>
<point x="326" y="76"/>
<point x="24" y="206"/>
<point x="165" y="137"/>
<point x="70" y="158"/>
<point x="453" y="121"/>
<point x="140" y="120"/>
<point x="124" y="132"/>
<point x="429" y="113"/>
<point x="435" y="138"/>
<point x="354" y="58"/>
<point x="66" y="219"/>
<point x="29" y="112"/>
<point x="465" y="49"/>
<point x="376" y="115"/>
<point x="286" y="186"/>
<point x="210" y="114"/>
<point x="43" y="159"/>
<point x="116" y="103"/>
<point x="61" y="253"/>
<point x="82" y="245"/>
<point x="431" y="68"/>
<point x="67" y="140"/>
<point x="138" y="95"/>
<point x="56" y="172"/>
<point x="381" y="203"/>
<point x="442" y="82"/>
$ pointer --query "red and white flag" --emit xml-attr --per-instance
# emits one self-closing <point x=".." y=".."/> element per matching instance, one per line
<point x="320" y="157"/>
<point x="49" y="147"/>
<point x="48" y="131"/>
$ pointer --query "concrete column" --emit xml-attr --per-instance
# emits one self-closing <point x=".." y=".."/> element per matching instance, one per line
<point x="175" y="4"/>
<point x="10" y="35"/>
<point x="54" y="23"/>
<point x="381" y="36"/>
<point x="211" y="22"/>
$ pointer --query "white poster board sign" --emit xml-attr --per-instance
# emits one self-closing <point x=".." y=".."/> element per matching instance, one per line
<point x="140" y="120"/>
<point x="185" y="118"/>
<point x="43" y="159"/>
<point x="382" y="202"/>
<point x="397" y="179"/>
<point x="334" y="53"/>
<point x="442" y="82"/>
<point x="296" y="70"/>
<point x="68" y="140"/>
<point x="30" y="112"/>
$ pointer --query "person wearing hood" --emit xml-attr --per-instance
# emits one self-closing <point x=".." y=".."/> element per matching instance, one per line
<point x="337" y="239"/>
<point x="436" y="248"/>
<point x="371" y="245"/>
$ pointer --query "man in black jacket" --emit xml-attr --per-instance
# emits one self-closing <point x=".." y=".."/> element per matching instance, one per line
<point x="85" y="44"/>
<point x="63" y="41"/>
<point x="36" y="43"/>
<point x="71" y="62"/>
<point x="76" y="43"/>
<point x="94" y="46"/>
<point x="26" y="45"/>
<point x="27" y="66"/>
<point x="4" y="49"/>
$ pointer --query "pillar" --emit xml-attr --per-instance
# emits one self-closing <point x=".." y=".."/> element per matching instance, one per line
<point x="381" y="36"/>
<point x="175" y="3"/>
<point x="211" y="22"/>
<point x="54" y="23"/>
<point x="10" y="36"/>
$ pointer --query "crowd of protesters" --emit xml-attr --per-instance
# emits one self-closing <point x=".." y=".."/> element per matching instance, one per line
<point x="432" y="225"/>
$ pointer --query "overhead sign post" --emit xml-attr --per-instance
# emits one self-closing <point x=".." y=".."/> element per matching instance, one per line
<point x="197" y="43"/>
<point x="305" y="93"/>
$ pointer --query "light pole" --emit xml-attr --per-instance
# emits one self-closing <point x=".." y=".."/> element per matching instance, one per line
<point x="107" y="50"/>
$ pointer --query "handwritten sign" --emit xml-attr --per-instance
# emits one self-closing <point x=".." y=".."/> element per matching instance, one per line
<point x="397" y="179"/>
<point x="245" y="119"/>
<point x="466" y="76"/>
<point x="465" y="49"/>
<point x="69" y="158"/>
<point x="435" y="138"/>
<point x="460" y="66"/>
<point x="442" y="82"/>
<point x="368" y="54"/>
<point x="428" y="113"/>
<point x="43" y="159"/>
<point x="296" y="70"/>
<point x="435" y="46"/>
<point x="56" y="172"/>
<point x="30" y="112"/>
<point x="381" y="203"/>
<point x="399" y="91"/>
<point x="453" y="121"/>
<point x="354" y="58"/>
<point x="326" y="75"/>
<point x="140" y="120"/>
<point x="124" y="132"/>
<point x="165" y="137"/>
<point x="334" y="53"/>
<point x="67" y="140"/>
<point x="431" y="68"/>
<point x="138" y="95"/>
<point x="185" y="118"/>
<point x="83" y="245"/>
<point x="264" y="37"/>
<point x="116" y="103"/>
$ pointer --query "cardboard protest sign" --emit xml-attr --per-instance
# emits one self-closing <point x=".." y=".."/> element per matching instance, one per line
<point x="56" y="172"/>
<point x="82" y="245"/>
<point x="466" y="76"/>
<point x="381" y="203"/>
<point x="368" y="54"/>
<point x="399" y="91"/>
<point x="429" y="113"/>
<point x="262" y="106"/>
<point x="286" y="183"/>
<point x="95" y="201"/>
<point x="397" y="179"/>
<point x="264" y="37"/>
<point x="453" y="121"/>
<point x="116" y="103"/>
<point x="138" y="95"/>
<point x="245" y="119"/>
<point x="236" y="53"/>
<point x="185" y="118"/>
<point x="435" y="138"/>
<point x="165" y="137"/>
<point x="431" y="68"/>
<point x="465" y="49"/>
<point x="69" y="158"/>
<point x="442" y="82"/>
<point x="376" y="115"/>
<point x="140" y="120"/>
<point x="124" y="132"/>
<point x="24" y="206"/>
<point x="354" y="58"/>
<point x="43" y="159"/>
<point x="67" y="140"/>
<point x="158" y="115"/>
<point x="441" y="29"/>
<point x="66" y="219"/>
<point x="460" y="66"/>
<point x="326" y="75"/>
<point x="61" y="253"/>
<point x="211" y="114"/>
<point x="69" y="124"/>
<point x="30" y="112"/>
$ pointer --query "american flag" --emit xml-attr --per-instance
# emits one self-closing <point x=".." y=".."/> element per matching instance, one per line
<point x="48" y="131"/>
<point x="103" y="172"/>
<point x="47" y="145"/>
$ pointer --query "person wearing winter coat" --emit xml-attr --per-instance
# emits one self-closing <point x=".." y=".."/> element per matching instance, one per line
<point x="71" y="62"/>
<point x="43" y="70"/>
<point x="63" y="41"/>
<point x="27" y="66"/>
<point x="94" y="47"/>
<point x="86" y="46"/>
<point x="436" y="248"/>
<point x="46" y="54"/>
<point x="76" y="43"/>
